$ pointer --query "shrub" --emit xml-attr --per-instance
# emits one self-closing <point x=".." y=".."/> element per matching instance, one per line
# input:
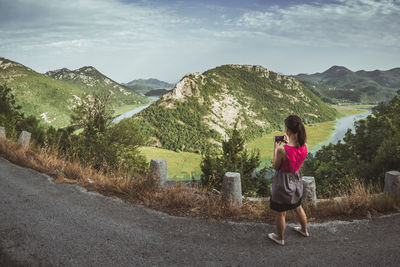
<point x="234" y="158"/>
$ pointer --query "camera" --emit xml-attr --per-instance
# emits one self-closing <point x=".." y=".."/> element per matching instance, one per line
<point x="280" y="138"/>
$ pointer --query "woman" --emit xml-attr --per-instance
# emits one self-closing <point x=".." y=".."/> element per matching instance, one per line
<point x="287" y="187"/>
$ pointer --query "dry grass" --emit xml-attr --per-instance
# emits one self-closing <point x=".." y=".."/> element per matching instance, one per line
<point x="191" y="201"/>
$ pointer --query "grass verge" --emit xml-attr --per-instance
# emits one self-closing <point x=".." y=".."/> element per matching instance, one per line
<point x="190" y="201"/>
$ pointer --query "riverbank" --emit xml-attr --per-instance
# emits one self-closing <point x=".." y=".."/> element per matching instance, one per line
<point x="185" y="165"/>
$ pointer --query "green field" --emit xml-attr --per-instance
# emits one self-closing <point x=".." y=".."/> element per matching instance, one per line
<point x="365" y="106"/>
<point x="184" y="165"/>
<point x="344" y="111"/>
<point x="180" y="166"/>
<point x="122" y="109"/>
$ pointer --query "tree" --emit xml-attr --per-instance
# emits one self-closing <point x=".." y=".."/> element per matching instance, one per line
<point x="103" y="144"/>
<point x="94" y="114"/>
<point x="14" y="120"/>
<point x="235" y="158"/>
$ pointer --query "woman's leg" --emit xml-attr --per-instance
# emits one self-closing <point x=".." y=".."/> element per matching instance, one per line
<point x="301" y="215"/>
<point x="281" y="224"/>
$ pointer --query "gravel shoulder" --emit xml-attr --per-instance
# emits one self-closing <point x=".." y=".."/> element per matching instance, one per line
<point x="47" y="224"/>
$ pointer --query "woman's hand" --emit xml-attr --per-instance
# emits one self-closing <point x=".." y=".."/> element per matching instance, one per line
<point x="277" y="144"/>
<point x="279" y="153"/>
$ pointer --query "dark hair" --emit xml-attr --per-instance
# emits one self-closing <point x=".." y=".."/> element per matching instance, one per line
<point x="296" y="126"/>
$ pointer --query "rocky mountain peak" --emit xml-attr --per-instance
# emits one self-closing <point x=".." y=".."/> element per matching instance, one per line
<point x="256" y="68"/>
<point x="87" y="69"/>
<point x="186" y="87"/>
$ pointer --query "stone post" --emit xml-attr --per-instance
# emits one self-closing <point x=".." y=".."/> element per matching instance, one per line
<point x="392" y="183"/>
<point x="232" y="189"/>
<point x="24" y="139"/>
<point x="158" y="170"/>
<point x="309" y="190"/>
<point x="2" y="133"/>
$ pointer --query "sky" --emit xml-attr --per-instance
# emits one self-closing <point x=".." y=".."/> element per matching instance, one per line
<point x="167" y="39"/>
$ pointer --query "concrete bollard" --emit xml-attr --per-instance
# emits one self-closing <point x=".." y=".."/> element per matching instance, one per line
<point x="309" y="190"/>
<point x="2" y="132"/>
<point x="392" y="183"/>
<point x="24" y="139"/>
<point x="232" y="189"/>
<point x="158" y="170"/>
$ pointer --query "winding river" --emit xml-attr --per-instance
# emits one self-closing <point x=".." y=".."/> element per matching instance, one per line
<point x="134" y="111"/>
<point x="341" y="127"/>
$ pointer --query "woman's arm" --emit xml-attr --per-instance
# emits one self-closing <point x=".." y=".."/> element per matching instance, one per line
<point x="279" y="155"/>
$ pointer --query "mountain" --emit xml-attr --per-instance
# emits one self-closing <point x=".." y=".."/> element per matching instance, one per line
<point x="143" y="86"/>
<point x="203" y="108"/>
<point x="157" y="92"/>
<point x="52" y="96"/>
<point x="341" y="84"/>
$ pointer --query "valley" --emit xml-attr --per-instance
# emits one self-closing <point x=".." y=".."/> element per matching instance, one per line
<point x="197" y="114"/>
<point x="186" y="165"/>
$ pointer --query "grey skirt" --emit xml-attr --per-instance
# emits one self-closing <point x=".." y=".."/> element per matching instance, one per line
<point x="287" y="190"/>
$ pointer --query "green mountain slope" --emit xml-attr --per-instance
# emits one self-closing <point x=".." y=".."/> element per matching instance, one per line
<point x="339" y="83"/>
<point x="144" y="86"/>
<point x="51" y="97"/>
<point x="203" y="108"/>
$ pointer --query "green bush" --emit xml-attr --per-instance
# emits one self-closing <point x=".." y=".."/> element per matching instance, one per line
<point x="234" y="158"/>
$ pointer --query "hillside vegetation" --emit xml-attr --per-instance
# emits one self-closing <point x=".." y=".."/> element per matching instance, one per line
<point x="339" y="84"/>
<point x="202" y="109"/>
<point x="52" y="97"/>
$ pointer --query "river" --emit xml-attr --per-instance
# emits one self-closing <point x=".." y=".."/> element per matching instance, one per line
<point x="134" y="111"/>
<point x="341" y="127"/>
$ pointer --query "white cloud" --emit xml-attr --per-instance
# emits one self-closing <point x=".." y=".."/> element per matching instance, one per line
<point x="344" y="23"/>
<point x="59" y="23"/>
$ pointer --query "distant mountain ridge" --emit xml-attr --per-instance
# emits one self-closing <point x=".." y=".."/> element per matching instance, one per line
<point x="157" y="92"/>
<point x="144" y="86"/>
<point x="202" y="109"/>
<point x="340" y="83"/>
<point x="52" y="96"/>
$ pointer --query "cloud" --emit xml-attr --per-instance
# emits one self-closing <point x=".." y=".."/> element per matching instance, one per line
<point x="166" y="39"/>
<point x="66" y="23"/>
<point x="340" y="23"/>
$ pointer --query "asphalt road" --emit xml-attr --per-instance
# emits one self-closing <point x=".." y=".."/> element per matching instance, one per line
<point x="47" y="224"/>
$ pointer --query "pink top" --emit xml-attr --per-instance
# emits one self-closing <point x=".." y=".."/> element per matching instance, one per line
<point x="294" y="158"/>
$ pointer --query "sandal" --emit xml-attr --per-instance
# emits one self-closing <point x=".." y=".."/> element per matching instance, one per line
<point x="279" y="242"/>
<point x="298" y="229"/>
